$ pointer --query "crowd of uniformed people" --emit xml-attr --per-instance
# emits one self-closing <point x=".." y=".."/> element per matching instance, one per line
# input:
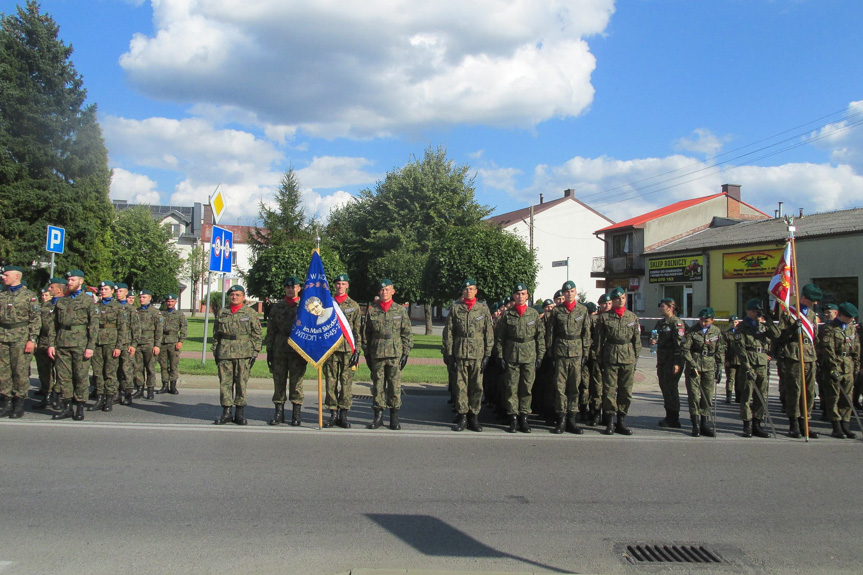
<point x="569" y="362"/>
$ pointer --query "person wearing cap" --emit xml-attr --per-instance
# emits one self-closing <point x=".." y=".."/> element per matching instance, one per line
<point x="792" y="354"/>
<point x="113" y="336"/>
<point x="45" y="365"/>
<point x="733" y="360"/>
<point x="287" y="366"/>
<point x="756" y="336"/>
<point x="468" y="339"/>
<point x="73" y="336"/>
<point x="840" y="346"/>
<point x="590" y="387"/>
<point x="20" y="322"/>
<point x="520" y="344"/>
<point x="617" y="345"/>
<point x="828" y="314"/>
<point x="570" y="345"/>
<point x="174" y="330"/>
<point x="148" y="345"/>
<point x="236" y="344"/>
<point x="703" y="347"/>
<point x="338" y="370"/>
<point x="126" y="362"/>
<point x="670" y="332"/>
<point x="387" y="343"/>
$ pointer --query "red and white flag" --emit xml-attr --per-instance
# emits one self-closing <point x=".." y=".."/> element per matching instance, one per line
<point x="780" y="285"/>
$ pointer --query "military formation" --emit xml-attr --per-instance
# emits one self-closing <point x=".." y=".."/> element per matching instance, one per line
<point x="570" y="362"/>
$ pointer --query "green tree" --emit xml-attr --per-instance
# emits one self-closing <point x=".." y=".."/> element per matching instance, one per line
<point x="195" y="268"/>
<point x="54" y="165"/>
<point x="391" y="229"/>
<point x="284" y="222"/>
<point x="269" y="270"/>
<point x="144" y="256"/>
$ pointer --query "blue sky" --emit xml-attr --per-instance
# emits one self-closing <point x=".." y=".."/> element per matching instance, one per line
<point x="634" y="104"/>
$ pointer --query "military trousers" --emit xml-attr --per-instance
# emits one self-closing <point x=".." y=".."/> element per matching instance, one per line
<point x="793" y="388"/>
<point x="169" y="362"/>
<point x="617" y="382"/>
<point x="105" y="369"/>
<point x="126" y="370"/>
<point x="567" y="377"/>
<point x="386" y="382"/>
<point x="699" y="390"/>
<point x="491" y="382"/>
<point x="14" y="369"/>
<point x="518" y="387"/>
<point x="468" y="387"/>
<point x="72" y="373"/>
<point x="45" y="368"/>
<point x="734" y="376"/>
<point x="669" y="382"/>
<point x="288" y="372"/>
<point x="145" y="366"/>
<point x="233" y="378"/>
<point x="838" y="406"/>
<point x="747" y="385"/>
<point x="339" y="378"/>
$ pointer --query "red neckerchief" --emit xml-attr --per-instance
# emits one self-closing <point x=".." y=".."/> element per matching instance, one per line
<point x="340" y="299"/>
<point x="292" y="300"/>
<point x="570" y="306"/>
<point x="619" y="311"/>
<point x="469" y="303"/>
<point x="520" y="309"/>
<point x="386" y="305"/>
<point x="236" y="308"/>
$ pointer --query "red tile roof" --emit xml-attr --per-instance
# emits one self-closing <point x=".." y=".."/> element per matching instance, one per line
<point x="664" y="211"/>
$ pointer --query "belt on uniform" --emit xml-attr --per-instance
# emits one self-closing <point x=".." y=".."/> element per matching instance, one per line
<point x="387" y="336"/>
<point x="617" y="341"/>
<point x="167" y="332"/>
<point x="755" y="349"/>
<point x="109" y="325"/>
<point x="517" y="339"/>
<point x="234" y="337"/>
<point x="71" y="327"/>
<point x="569" y="337"/>
<point x="13" y="325"/>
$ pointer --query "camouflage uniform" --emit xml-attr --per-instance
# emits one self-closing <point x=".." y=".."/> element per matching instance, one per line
<point x="670" y="333"/>
<point x="20" y="322"/>
<point x="236" y="341"/>
<point x="337" y="370"/>
<point x="570" y="342"/>
<point x="174" y="331"/>
<point x="113" y="334"/>
<point x="149" y="336"/>
<point x="74" y="330"/>
<point x="617" y="345"/>
<point x="841" y="349"/>
<point x="754" y="343"/>
<point x="519" y="342"/>
<point x="793" y="387"/>
<point x="126" y="363"/>
<point x="734" y="371"/>
<point x="44" y="363"/>
<point x="288" y="366"/>
<point x="386" y="338"/>
<point x="468" y="338"/>
<point x="592" y="375"/>
<point x="701" y="350"/>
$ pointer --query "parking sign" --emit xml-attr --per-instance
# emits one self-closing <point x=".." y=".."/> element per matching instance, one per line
<point x="220" y="250"/>
<point x="56" y="240"/>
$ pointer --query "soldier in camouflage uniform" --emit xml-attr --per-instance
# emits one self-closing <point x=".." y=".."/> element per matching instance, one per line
<point x="387" y="342"/>
<point x="702" y="348"/>
<point x="520" y="346"/>
<point x="286" y="365"/>
<point x="828" y="314"/>
<point x="126" y="363"/>
<point x="617" y="345"/>
<point x="236" y="344"/>
<point x="44" y="364"/>
<point x="468" y="340"/>
<point x="733" y="359"/>
<point x="20" y="322"/>
<point x="841" y="349"/>
<point x="569" y="329"/>
<point x="590" y="388"/>
<point x="173" y="335"/>
<point x="73" y="335"/>
<point x="755" y="337"/>
<point x="670" y="331"/>
<point x="338" y="370"/>
<point x="148" y="345"/>
<point x="113" y="336"/>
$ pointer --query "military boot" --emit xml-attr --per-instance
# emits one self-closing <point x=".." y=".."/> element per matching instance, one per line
<point x="621" y="425"/>
<point x="109" y="403"/>
<point x="727" y="396"/>
<point x="523" y="424"/>
<point x="378" y="419"/>
<point x="608" y="419"/>
<point x="696" y="426"/>
<point x="596" y="417"/>
<point x="757" y="430"/>
<point x="460" y="422"/>
<point x="46" y="401"/>
<point x="100" y="403"/>
<point x="846" y="429"/>
<point x="225" y="417"/>
<point x="559" y="423"/>
<point x="793" y="428"/>
<point x="706" y="429"/>
<point x="333" y="420"/>
<point x="279" y="416"/>
<point x="572" y="425"/>
<point x="150" y="393"/>
<point x="513" y="424"/>
<point x="747" y="428"/>
<point x="473" y="423"/>
<point x="582" y="413"/>
<point x="65" y="410"/>
<point x="343" y="419"/>
<point x="295" y="414"/>
<point x="837" y="430"/>
<point x="173" y="388"/>
<point x="164" y="388"/>
<point x="239" y="416"/>
<point x="127" y="398"/>
<point x="5" y="406"/>
<point x="801" y="425"/>
<point x="394" y="419"/>
<point x="79" y="411"/>
<point x="139" y="392"/>
<point x="56" y="402"/>
<point x="17" y="408"/>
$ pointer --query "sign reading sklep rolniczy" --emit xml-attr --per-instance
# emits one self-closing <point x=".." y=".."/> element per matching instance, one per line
<point x="221" y="244"/>
<point x="680" y="269"/>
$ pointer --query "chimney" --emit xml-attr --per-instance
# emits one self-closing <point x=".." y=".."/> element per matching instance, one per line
<point x="801" y="212"/>
<point x="540" y="199"/>
<point x="567" y="193"/>
<point x="733" y="191"/>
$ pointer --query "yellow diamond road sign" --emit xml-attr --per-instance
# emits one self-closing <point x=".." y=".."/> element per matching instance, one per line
<point x="217" y="202"/>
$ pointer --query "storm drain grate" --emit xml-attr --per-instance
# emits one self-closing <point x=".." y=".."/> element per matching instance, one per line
<point x="642" y="553"/>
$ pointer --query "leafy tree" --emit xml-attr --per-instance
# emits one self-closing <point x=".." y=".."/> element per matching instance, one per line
<point x="144" y="256"/>
<point x="53" y="165"/>
<point x="195" y="268"/>
<point x="283" y="223"/>
<point x="270" y="268"/>
<point x="391" y="229"/>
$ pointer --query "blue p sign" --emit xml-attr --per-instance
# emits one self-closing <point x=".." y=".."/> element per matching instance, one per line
<point x="56" y="240"/>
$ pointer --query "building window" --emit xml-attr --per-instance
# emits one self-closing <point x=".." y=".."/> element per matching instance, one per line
<point x="838" y="290"/>
<point x="176" y="230"/>
<point x="621" y="245"/>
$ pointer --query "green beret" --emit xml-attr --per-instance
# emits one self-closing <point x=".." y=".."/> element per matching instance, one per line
<point x="342" y="278"/>
<point x="467" y="283"/>
<point x="172" y="296"/>
<point x="733" y="318"/>
<point x="384" y="283"/>
<point x="519" y="287"/>
<point x="507" y="299"/>
<point x="558" y="294"/>
<point x="848" y="309"/>
<point x="754" y="303"/>
<point x="616" y="292"/>
<point x="812" y="291"/>
<point x="238" y="288"/>
<point x="604" y="298"/>
<point x="290" y="281"/>
<point x="494" y="307"/>
<point x="12" y="269"/>
<point x="44" y="289"/>
<point x="146" y="292"/>
<point x="829" y="306"/>
<point x="74" y="274"/>
<point x="58" y="281"/>
<point x="121" y="285"/>
<point x="547" y="302"/>
<point x="591" y="307"/>
<point x="667" y="301"/>
<point x="568" y="285"/>
<point x="707" y="313"/>
<point x="106" y="284"/>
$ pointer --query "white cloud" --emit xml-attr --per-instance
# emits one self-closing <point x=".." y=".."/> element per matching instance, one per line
<point x="319" y="206"/>
<point x="333" y="171"/>
<point x="373" y="68"/>
<point x="844" y="139"/>
<point x="702" y="141"/>
<point x="134" y="188"/>
<point x="499" y="178"/>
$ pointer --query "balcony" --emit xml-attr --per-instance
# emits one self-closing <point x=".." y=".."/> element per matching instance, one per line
<point x="625" y="265"/>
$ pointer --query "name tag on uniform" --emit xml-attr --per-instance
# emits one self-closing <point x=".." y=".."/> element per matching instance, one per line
<point x="479" y="318"/>
<point x="630" y="324"/>
<point x="531" y="322"/>
<point x="244" y="319"/>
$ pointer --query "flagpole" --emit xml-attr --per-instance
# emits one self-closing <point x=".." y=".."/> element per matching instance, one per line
<point x="791" y="230"/>
<point x="320" y="403"/>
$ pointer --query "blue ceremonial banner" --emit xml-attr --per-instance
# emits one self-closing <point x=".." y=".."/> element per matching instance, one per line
<point x="318" y="330"/>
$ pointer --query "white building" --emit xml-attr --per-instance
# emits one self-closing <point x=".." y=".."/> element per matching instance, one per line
<point x="561" y="233"/>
